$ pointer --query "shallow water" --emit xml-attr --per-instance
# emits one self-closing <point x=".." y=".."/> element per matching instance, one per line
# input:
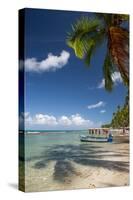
<point x="54" y="159"/>
<point x="38" y="143"/>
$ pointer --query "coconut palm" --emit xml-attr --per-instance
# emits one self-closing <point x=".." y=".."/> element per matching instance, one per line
<point x="127" y="99"/>
<point x="88" y="33"/>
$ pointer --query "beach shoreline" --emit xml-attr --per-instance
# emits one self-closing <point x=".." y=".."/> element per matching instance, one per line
<point x="82" y="166"/>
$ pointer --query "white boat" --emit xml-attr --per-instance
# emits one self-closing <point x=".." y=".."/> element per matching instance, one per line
<point x="89" y="138"/>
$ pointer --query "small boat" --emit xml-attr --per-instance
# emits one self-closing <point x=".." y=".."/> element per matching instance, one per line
<point x="90" y="138"/>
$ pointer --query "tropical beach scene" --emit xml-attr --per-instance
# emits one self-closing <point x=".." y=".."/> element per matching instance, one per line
<point x="74" y="101"/>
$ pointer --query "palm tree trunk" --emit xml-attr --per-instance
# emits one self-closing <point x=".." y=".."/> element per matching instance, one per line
<point x="119" y="50"/>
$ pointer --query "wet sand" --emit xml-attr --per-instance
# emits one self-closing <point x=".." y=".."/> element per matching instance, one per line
<point x="79" y="166"/>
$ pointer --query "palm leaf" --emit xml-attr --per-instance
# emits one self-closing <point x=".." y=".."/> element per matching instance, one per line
<point x="123" y="17"/>
<point x="106" y="18"/>
<point x="85" y="36"/>
<point x="108" y="70"/>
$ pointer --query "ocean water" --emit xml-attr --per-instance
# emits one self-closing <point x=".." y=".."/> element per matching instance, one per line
<point x="48" y="157"/>
<point x="58" y="160"/>
<point x="37" y="142"/>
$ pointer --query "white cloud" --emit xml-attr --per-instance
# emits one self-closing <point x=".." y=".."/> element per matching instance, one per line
<point x="97" y="105"/>
<point x="101" y="84"/>
<point x="116" y="77"/>
<point x="78" y="120"/>
<point x="64" y="120"/>
<point x="51" y="63"/>
<point x="75" y="120"/>
<point x="102" y="111"/>
<point x="44" y="119"/>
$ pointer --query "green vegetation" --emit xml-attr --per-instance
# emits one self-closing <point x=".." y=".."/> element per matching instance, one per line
<point x="89" y="33"/>
<point x="120" y="118"/>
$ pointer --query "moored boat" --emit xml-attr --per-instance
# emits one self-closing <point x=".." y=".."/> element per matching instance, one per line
<point x="90" y="138"/>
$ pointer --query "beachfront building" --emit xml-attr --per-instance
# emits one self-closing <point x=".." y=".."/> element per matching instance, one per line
<point x="98" y="131"/>
<point x="104" y="131"/>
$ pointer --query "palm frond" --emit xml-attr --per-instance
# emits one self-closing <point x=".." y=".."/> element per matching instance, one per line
<point x="95" y="42"/>
<point x="124" y="17"/>
<point x="89" y="53"/>
<point x="108" y="70"/>
<point x="83" y="25"/>
<point x="85" y="36"/>
<point x="105" y="17"/>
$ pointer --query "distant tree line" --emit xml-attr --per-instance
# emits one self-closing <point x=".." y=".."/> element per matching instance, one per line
<point x="120" y="118"/>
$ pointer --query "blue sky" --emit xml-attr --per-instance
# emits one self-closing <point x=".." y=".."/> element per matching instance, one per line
<point x="61" y="91"/>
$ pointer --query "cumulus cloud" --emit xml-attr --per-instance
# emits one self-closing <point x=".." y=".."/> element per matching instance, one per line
<point x="116" y="77"/>
<point x="102" y="111"/>
<point x="64" y="120"/>
<point x="75" y="120"/>
<point x="97" y="105"/>
<point x="51" y="63"/>
<point x="44" y="119"/>
<point x="78" y="120"/>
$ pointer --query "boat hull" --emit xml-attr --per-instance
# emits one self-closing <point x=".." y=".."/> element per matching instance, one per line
<point x="95" y="139"/>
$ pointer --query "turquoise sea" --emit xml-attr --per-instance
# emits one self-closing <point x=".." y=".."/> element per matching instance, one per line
<point x="55" y="160"/>
<point x="38" y="141"/>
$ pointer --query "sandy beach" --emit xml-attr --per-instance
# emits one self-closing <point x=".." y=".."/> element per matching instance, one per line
<point x="88" y="165"/>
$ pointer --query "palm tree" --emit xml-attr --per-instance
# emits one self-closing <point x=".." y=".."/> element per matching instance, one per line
<point x="88" y="33"/>
<point x="127" y="99"/>
<point x="118" y="108"/>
